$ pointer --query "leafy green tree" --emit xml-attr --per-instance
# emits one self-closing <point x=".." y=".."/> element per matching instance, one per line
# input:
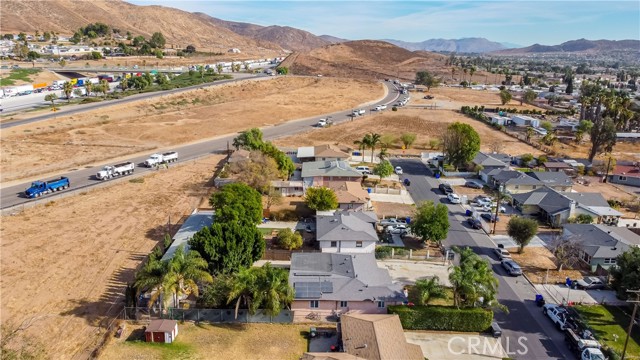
<point x="249" y="140"/>
<point x="161" y="79"/>
<point x="388" y="140"/>
<point x="522" y="230"/>
<point x="429" y="289"/>
<point x="584" y="127"/>
<point x="321" y="199"/>
<point x="51" y="97"/>
<point x="547" y="126"/>
<point x="383" y="169"/>
<point x="505" y="97"/>
<point x="190" y="49"/>
<point x="21" y="50"/>
<point x="237" y="203"/>
<point x="529" y="134"/>
<point x="186" y="270"/>
<point x="408" y="139"/>
<point x="22" y="37"/>
<point x="282" y="70"/>
<point x="288" y="239"/>
<point x="542" y="159"/>
<point x="626" y="274"/>
<point x="425" y="78"/>
<point x="138" y="41"/>
<point x="603" y="137"/>
<point x="67" y="89"/>
<point x="263" y="287"/>
<point x="284" y="162"/>
<point x="526" y="159"/>
<point x="228" y="246"/>
<point x="584" y="219"/>
<point x="430" y="222"/>
<point x="32" y="55"/>
<point x="157" y="40"/>
<point x="7" y="37"/>
<point x="219" y="67"/>
<point x="215" y="295"/>
<point x="152" y="277"/>
<point x="89" y="87"/>
<point x="46" y="36"/>
<point x="569" y="89"/>
<point x="529" y="96"/>
<point x="472" y="281"/>
<point x="363" y="144"/>
<point x="461" y="143"/>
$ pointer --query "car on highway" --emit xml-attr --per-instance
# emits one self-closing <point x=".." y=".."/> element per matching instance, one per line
<point x="502" y="253"/>
<point x="445" y="188"/>
<point x="590" y="283"/>
<point x="474" y="223"/>
<point x="358" y="112"/>
<point x="490" y="217"/>
<point x="398" y="170"/>
<point x="322" y="123"/>
<point x="473" y="184"/>
<point x="453" y="198"/>
<point x="511" y="267"/>
<point x="557" y="314"/>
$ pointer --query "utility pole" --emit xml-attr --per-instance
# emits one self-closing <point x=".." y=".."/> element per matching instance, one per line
<point x="608" y="167"/>
<point x="633" y="316"/>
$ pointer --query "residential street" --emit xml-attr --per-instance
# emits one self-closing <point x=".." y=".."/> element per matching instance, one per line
<point x="525" y="319"/>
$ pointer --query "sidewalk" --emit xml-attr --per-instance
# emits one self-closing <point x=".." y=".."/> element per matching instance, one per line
<point x="392" y="198"/>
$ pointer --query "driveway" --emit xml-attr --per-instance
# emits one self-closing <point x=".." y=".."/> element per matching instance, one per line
<point x="457" y="346"/>
<point x="508" y="242"/>
<point x="407" y="272"/>
<point x="560" y="294"/>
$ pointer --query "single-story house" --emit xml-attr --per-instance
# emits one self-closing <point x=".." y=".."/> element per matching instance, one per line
<point x="161" y="331"/>
<point x="347" y="231"/>
<point x="626" y="175"/>
<point x="558" y="181"/>
<point x="351" y="196"/>
<point x="323" y="173"/>
<point x="194" y="223"/>
<point x="524" y="120"/>
<point x="327" y="284"/>
<point x="600" y="244"/>
<point x="491" y="161"/>
<point x="289" y="188"/>
<point x="515" y="182"/>
<point x="500" y="120"/>
<point x="321" y="153"/>
<point x="556" y="166"/>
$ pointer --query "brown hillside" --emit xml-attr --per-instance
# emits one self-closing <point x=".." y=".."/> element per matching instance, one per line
<point x="365" y="59"/>
<point x="179" y="27"/>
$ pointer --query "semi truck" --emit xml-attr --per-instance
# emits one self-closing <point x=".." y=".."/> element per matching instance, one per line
<point x="110" y="171"/>
<point x="39" y="188"/>
<point x="157" y="159"/>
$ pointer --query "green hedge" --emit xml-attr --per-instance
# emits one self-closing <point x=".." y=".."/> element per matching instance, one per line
<point x="443" y="318"/>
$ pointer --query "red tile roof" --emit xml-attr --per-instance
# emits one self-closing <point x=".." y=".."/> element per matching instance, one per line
<point x="626" y="170"/>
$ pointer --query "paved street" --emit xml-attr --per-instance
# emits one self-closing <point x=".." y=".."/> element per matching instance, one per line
<point x="525" y="319"/>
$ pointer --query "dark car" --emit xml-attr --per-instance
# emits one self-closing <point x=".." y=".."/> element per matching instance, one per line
<point x="407" y="182"/>
<point x="490" y="217"/>
<point x="445" y="188"/>
<point x="473" y="185"/>
<point x="474" y="223"/>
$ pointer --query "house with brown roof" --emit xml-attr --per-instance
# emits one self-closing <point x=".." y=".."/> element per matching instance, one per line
<point x="556" y="166"/>
<point x="626" y="175"/>
<point x="351" y="196"/>
<point x="325" y="152"/>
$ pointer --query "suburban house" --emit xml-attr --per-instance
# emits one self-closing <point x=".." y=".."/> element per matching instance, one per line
<point x="351" y="196"/>
<point x="491" y="161"/>
<point x="559" y="181"/>
<point x="347" y="231"/>
<point x="600" y="244"/>
<point x="321" y="153"/>
<point x="524" y="120"/>
<point x="556" y="208"/>
<point x="323" y="173"/>
<point x="517" y="182"/>
<point x="289" y="188"/>
<point x="194" y="223"/>
<point x="626" y="175"/>
<point x="327" y="284"/>
<point x="556" y="166"/>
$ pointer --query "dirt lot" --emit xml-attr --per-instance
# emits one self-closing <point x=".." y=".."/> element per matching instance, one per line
<point x="385" y="209"/>
<point x="44" y="148"/>
<point x="427" y="124"/>
<point x="232" y="341"/>
<point x="535" y="261"/>
<point x="454" y="98"/>
<point x="65" y="279"/>
<point x="44" y="76"/>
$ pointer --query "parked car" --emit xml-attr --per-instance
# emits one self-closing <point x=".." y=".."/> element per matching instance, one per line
<point x="473" y="184"/>
<point x="392" y="221"/>
<point x="364" y="170"/>
<point x="502" y="253"/>
<point x="398" y="170"/>
<point x="428" y="97"/>
<point x="512" y="268"/>
<point x="557" y="314"/>
<point x="489" y="208"/>
<point x="445" y="188"/>
<point x="490" y="217"/>
<point x="453" y="198"/>
<point x="474" y="223"/>
<point x="397" y="229"/>
<point x="590" y="283"/>
<point x="482" y="200"/>
<point x="407" y="182"/>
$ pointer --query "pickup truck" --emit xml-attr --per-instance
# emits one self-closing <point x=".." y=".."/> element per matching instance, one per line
<point x="39" y="188"/>
<point x="586" y="349"/>
<point x="557" y="314"/>
<point x="157" y="159"/>
<point x="108" y="171"/>
<point x="358" y="112"/>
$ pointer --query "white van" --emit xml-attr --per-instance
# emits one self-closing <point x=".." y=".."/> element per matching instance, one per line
<point x="364" y="170"/>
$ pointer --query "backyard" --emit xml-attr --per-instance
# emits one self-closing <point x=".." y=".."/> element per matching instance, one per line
<point x="609" y="324"/>
<point x="226" y="341"/>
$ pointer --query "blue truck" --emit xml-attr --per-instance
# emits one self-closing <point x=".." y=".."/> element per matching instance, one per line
<point x="39" y="188"/>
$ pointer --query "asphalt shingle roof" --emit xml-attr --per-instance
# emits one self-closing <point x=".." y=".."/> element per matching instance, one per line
<point x="328" y="168"/>
<point x="601" y="241"/>
<point x="347" y="225"/>
<point x="551" y="178"/>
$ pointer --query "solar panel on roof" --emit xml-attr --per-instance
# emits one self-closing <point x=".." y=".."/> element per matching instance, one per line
<point x="312" y="290"/>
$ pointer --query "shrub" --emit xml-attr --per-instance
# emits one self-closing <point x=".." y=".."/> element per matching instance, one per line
<point x="443" y="318"/>
<point x="284" y="215"/>
<point x="394" y="108"/>
<point x="383" y="252"/>
<point x="288" y="239"/>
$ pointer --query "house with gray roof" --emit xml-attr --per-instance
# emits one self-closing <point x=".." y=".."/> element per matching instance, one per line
<point x="198" y="220"/>
<point x="322" y="173"/>
<point x="347" y="231"/>
<point x="600" y="245"/>
<point x="517" y="182"/>
<point x="559" y="181"/>
<point x="327" y="284"/>
<point x="491" y="161"/>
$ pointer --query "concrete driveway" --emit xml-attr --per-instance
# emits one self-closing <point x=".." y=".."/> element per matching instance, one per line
<point x="560" y="294"/>
<point x="457" y="346"/>
<point x="508" y="242"/>
<point x="407" y="272"/>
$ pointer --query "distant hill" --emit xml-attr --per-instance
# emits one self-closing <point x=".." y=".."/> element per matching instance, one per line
<point x="287" y="37"/>
<point x="578" y="46"/>
<point x="332" y="39"/>
<point x="465" y="45"/>
<point x="370" y="59"/>
<point x="180" y="28"/>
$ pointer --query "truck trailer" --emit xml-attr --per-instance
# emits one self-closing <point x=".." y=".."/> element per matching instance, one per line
<point x="109" y="171"/>
<point x="39" y="188"/>
<point x="157" y="159"/>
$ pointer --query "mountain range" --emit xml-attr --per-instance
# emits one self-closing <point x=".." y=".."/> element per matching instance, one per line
<point x="578" y="46"/>
<point x="465" y="45"/>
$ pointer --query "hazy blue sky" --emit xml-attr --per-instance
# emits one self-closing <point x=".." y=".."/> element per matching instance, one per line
<point x="521" y="22"/>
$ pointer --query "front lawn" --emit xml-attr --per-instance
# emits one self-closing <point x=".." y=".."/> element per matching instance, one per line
<point x="607" y="321"/>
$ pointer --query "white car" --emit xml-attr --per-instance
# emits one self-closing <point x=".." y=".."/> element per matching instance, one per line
<point x="483" y="201"/>
<point x="382" y="107"/>
<point x="398" y="170"/>
<point x="397" y="229"/>
<point x="322" y="123"/>
<point x="453" y="198"/>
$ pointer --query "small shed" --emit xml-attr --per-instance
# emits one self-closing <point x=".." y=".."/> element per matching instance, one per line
<point x="161" y="331"/>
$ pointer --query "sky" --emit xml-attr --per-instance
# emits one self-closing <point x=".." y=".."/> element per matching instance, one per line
<point x="546" y="22"/>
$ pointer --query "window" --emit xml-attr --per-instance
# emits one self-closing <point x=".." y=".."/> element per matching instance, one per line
<point x="313" y="304"/>
<point x="622" y="178"/>
<point x="334" y="244"/>
<point x="380" y="304"/>
<point x="516" y="187"/>
<point x="358" y="243"/>
<point x="343" y="304"/>
<point x="610" y="261"/>
<point x="534" y="187"/>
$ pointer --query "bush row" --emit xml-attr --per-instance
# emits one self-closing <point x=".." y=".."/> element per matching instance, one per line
<point x="443" y="318"/>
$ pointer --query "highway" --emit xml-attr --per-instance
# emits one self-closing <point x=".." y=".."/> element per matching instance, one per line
<point x="525" y="321"/>
<point x="84" y="178"/>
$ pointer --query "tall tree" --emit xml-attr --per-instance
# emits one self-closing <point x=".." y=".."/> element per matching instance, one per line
<point x="67" y="89"/>
<point x="408" y="139"/>
<point x="321" y="199"/>
<point x="258" y="171"/>
<point x="473" y="280"/>
<point x="505" y="97"/>
<point x="152" y="277"/>
<point x="529" y="96"/>
<point x="430" y="222"/>
<point x="427" y="79"/>
<point x="522" y="230"/>
<point x="249" y="139"/>
<point x="383" y="169"/>
<point x="461" y="143"/>
<point x="603" y="136"/>
<point x="626" y="274"/>
<point x="157" y="40"/>
<point x="262" y="287"/>
<point x="374" y="140"/>
<point x="237" y="203"/>
<point x="51" y="97"/>
<point x="186" y="270"/>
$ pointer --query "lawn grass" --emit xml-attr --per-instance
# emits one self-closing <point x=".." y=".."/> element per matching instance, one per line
<point x="176" y="350"/>
<point x="447" y="300"/>
<point x="18" y="74"/>
<point x="607" y="321"/>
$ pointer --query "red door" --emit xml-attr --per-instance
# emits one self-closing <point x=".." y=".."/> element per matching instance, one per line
<point x="158" y="337"/>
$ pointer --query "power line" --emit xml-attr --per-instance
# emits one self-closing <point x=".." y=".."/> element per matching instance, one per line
<point x="633" y="318"/>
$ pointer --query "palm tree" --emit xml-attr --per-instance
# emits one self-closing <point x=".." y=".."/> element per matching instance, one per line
<point x="374" y="140"/>
<point x="471" y="72"/>
<point x="265" y="286"/>
<point x="89" y="87"/>
<point x="186" y="270"/>
<point x="151" y="277"/>
<point x="429" y="289"/>
<point x="242" y="288"/>
<point x="51" y="97"/>
<point x="363" y="144"/>
<point x="104" y="87"/>
<point x="464" y="77"/>
<point x="67" y="89"/>
<point x="383" y="153"/>
<point x="220" y="68"/>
